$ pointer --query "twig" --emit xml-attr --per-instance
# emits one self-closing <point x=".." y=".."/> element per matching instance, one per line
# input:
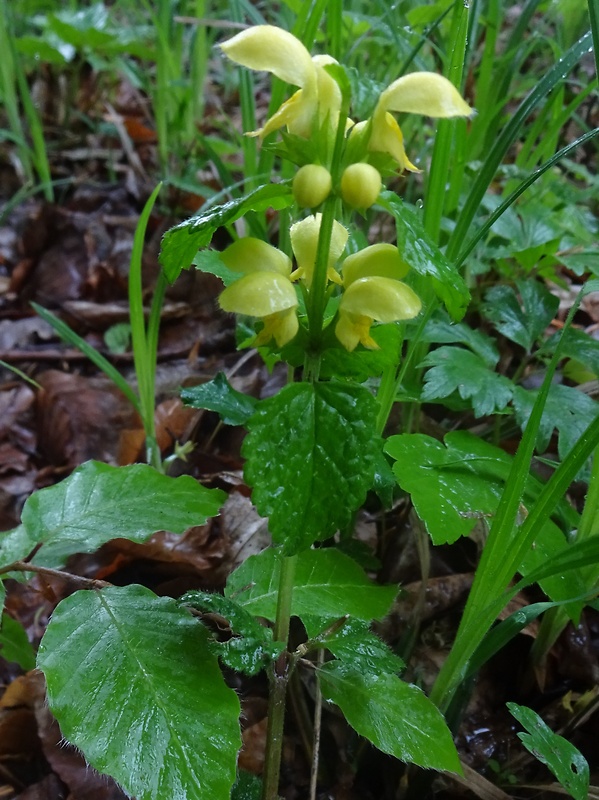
<point x="26" y="566"/>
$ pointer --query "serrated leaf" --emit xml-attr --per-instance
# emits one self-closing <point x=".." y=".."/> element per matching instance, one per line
<point x="455" y="369"/>
<point x="457" y="485"/>
<point x="441" y="330"/>
<point x="98" y="502"/>
<point x="566" y="762"/>
<point x="578" y="345"/>
<point x="15" y="645"/>
<point x="307" y="445"/>
<point x="235" y="408"/>
<point x="395" y="716"/>
<point x="567" y="410"/>
<point x="424" y="257"/>
<point x="327" y="583"/>
<point x="354" y="642"/>
<point x="523" y="319"/>
<point x="251" y="647"/>
<point x="451" y="485"/>
<point x="181" y="243"/>
<point x="133" y="684"/>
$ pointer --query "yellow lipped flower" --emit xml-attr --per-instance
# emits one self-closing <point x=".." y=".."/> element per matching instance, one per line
<point x="274" y="50"/>
<point x="304" y="242"/>
<point x="423" y="93"/>
<point x="264" y="291"/>
<point x="373" y="292"/>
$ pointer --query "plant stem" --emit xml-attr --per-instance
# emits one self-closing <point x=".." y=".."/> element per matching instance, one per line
<point x="279" y="677"/>
<point x="556" y="620"/>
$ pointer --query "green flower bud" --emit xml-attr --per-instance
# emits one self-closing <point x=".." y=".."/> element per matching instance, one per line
<point x="361" y="184"/>
<point x="311" y="185"/>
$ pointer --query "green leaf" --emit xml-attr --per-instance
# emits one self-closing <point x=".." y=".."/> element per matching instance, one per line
<point x="362" y="364"/>
<point x="354" y="642"/>
<point x="246" y="787"/>
<point x="327" y="584"/>
<point x="210" y="261"/>
<point x="15" y="645"/>
<point x="251" y="647"/>
<point x="566" y="762"/>
<point x="451" y="485"/>
<point x="181" y="243"/>
<point x="456" y="485"/>
<point x="395" y="716"/>
<point x="118" y="337"/>
<point x="455" y="369"/>
<point x="311" y="454"/>
<point x="15" y="545"/>
<point x="441" y="330"/>
<point x="98" y="502"/>
<point x="424" y="257"/>
<point x="578" y="345"/>
<point x="567" y="410"/>
<point x="235" y="408"/>
<point x="521" y="320"/>
<point x="133" y="684"/>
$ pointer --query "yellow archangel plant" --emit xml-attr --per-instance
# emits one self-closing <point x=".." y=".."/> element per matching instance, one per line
<point x="371" y="287"/>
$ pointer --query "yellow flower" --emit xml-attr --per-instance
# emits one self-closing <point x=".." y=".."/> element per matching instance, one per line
<point x="373" y="292"/>
<point x="418" y="93"/>
<point x="304" y="241"/>
<point x="264" y="290"/>
<point x="266" y="47"/>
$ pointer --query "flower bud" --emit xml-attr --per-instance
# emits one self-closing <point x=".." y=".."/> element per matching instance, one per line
<point x="311" y="185"/>
<point x="360" y="185"/>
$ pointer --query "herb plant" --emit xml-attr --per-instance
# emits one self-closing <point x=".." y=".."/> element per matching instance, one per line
<point x="134" y="679"/>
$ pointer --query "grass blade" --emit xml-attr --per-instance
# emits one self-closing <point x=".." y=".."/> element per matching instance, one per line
<point x="68" y="335"/>
<point x="508" y="136"/>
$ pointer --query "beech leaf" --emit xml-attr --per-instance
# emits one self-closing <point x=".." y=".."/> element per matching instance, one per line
<point x="395" y="716"/>
<point x="133" y="684"/>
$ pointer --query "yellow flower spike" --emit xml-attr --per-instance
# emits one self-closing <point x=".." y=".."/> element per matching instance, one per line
<point x="418" y="93"/>
<point x="253" y="255"/>
<point x="304" y="241"/>
<point x="378" y="259"/>
<point x="274" y="50"/>
<point x="370" y="299"/>
<point x="268" y="295"/>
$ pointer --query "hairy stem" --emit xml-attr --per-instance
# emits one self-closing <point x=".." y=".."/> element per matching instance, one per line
<point x="279" y="678"/>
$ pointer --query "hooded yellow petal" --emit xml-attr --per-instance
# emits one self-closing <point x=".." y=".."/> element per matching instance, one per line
<point x="378" y="259"/>
<point x="424" y="93"/>
<point x="351" y="329"/>
<point x="329" y="93"/>
<point x="304" y="241"/>
<point x="281" y="327"/>
<point x="386" y="137"/>
<point x="259" y="294"/>
<point x="266" y="47"/>
<point x="253" y="255"/>
<point x="382" y="299"/>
